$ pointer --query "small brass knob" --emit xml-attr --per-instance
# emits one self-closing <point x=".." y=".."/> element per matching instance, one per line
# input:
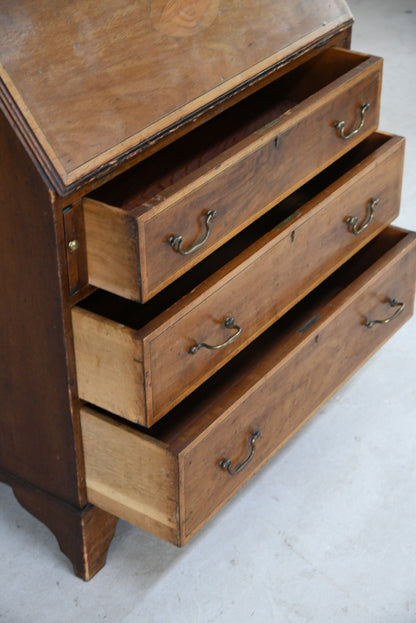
<point x="73" y="245"/>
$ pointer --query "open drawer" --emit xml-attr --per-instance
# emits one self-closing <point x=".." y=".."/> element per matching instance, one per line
<point x="171" y="479"/>
<point x="152" y="224"/>
<point x="138" y="361"/>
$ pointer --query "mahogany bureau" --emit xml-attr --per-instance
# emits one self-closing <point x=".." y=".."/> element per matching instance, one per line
<point x="196" y="253"/>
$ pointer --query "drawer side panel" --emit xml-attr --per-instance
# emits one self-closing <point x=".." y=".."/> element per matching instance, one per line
<point x="111" y="242"/>
<point x="130" y="475"/>
<point x="109" y="364"/>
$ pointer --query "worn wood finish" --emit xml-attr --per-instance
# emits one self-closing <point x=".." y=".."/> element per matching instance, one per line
<point x="102" y="78"/>
<point x="248" y="161"/>
<point x="275" y="390"/>
<point x="141" y="374"/>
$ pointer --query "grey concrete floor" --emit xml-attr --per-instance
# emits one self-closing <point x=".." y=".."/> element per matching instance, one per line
<point x="326" y="532"/>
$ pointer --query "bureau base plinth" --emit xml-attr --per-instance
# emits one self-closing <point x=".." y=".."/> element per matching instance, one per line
<point x="84" y="535"/>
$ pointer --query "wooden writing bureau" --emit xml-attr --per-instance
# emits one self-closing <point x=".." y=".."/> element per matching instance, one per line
<point x="196" y="252"/>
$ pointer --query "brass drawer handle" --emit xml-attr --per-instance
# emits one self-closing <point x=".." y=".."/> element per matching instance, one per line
<point x="340" y="125"/>
<point x="229" y="323"/>
<point x="226" y="463"/>
<point x="393" y="303"/>
<point x="176" y="241"/>
<point x="353" y="220"/>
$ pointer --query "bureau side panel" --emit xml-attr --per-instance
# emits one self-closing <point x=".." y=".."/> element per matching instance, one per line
<point x="37" y="439"/>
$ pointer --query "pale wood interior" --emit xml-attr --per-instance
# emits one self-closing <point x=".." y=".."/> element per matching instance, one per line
<point x="136" y="315"/>
<point x="109" y="363"/>
<point x="130" y="475"/>
<point x="116" y="269"/>
<point x="142" y="182"/>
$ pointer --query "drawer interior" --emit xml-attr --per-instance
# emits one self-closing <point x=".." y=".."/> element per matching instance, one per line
<point x="144" y="181"/>
<point x="187" y="420"/>
<point x="136" y="315"/>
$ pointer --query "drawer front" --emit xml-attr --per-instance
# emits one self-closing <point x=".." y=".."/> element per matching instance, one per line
<point x="271" y="277"/>
<point x="171" y="481"/>
<point x="285" y="155"/>
<point x="292" y="392"/>
<point x="239" y="186"/>
<point x="171" y="356"/>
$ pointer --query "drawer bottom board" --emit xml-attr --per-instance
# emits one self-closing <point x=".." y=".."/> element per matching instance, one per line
<point x="172" y="478"/>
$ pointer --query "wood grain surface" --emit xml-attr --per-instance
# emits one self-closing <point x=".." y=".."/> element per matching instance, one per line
<point x="140" y="369"/>
<point x="275" y="390"/>
<point x="90" y="82"/>
<point x="249" y="172"/>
